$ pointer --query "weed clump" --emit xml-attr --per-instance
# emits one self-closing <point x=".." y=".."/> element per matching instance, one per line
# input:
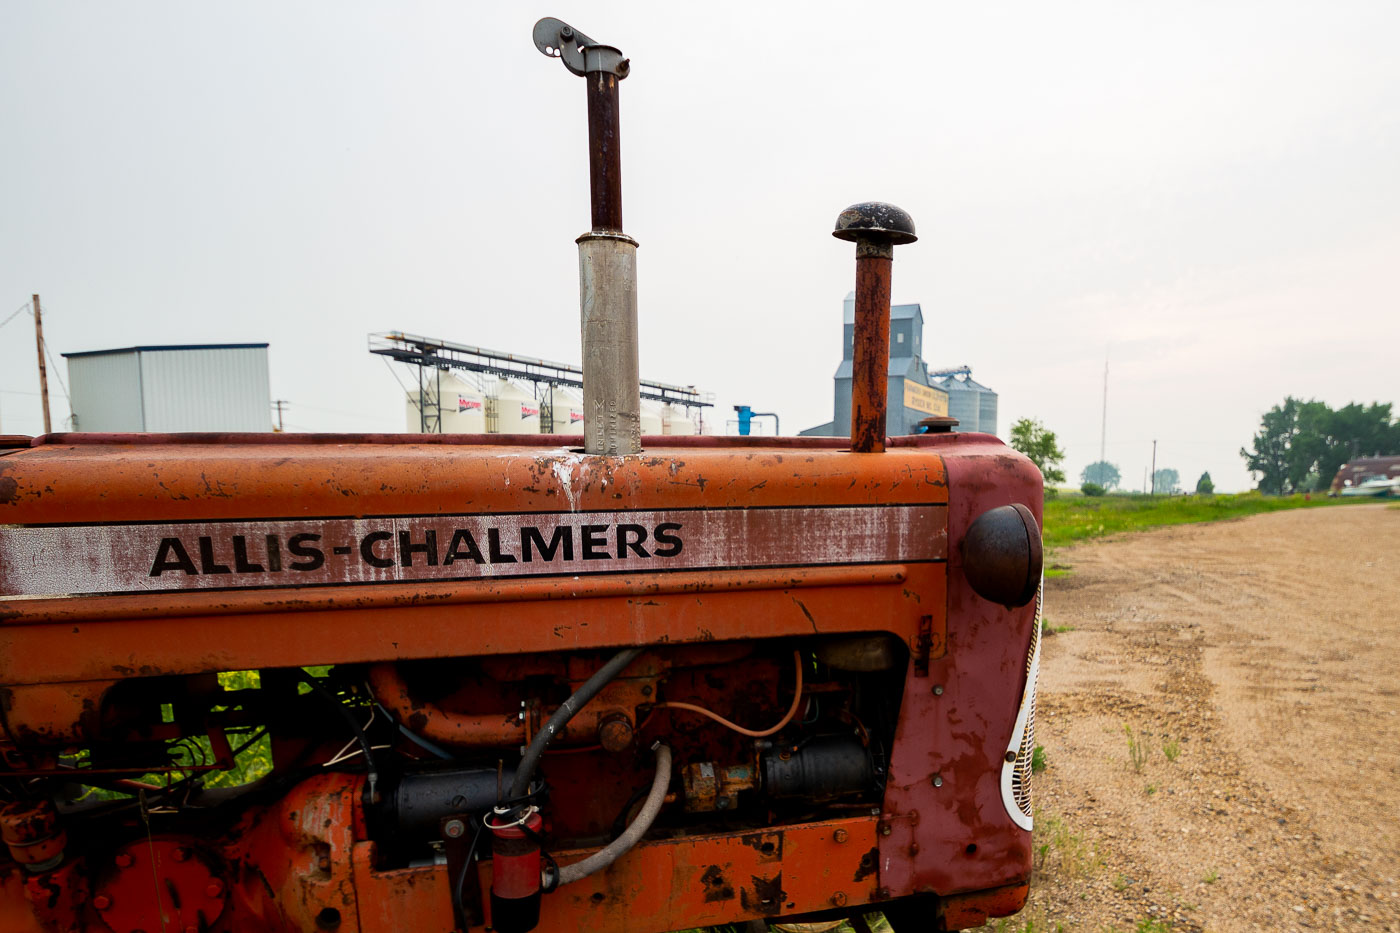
<point x="1137" y="749"/>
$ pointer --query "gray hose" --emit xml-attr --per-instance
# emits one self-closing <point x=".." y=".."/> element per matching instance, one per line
<point x="633" y="833"/>
<point x="531" y="760"/>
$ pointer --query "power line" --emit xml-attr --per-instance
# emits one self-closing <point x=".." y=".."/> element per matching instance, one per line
<point x="58" y="376"/>
<point x="18" y="311"/>
<point x="331" y="411"/>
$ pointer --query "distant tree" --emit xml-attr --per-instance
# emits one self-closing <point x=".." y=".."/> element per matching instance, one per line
<point x="1166" y="482"/>
<point x="1301" y="445"/>
<point x="1101" y="473"/>
<point x="1269" y="458"/>
<point x="1030" y="438"/>
<point x="1092" y="489"/>
<point x="1204" y="485"/>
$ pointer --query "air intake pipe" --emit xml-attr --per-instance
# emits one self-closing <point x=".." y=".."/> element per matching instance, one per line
<point x="607" y="257"/>
<point x="876" y="229"/>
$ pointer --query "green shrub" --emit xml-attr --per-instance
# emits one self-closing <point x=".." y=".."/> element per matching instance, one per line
<point x="1092" y="489"/>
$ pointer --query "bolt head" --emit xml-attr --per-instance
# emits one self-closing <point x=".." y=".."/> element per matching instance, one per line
<point x="102" y="902"/>
<point x="124" y="860"/>
<point x="181" y="854"/>
<point x="215" y="889"/>
<point x="876" y="222"/>
<point x="839" y="899"/>
<point x="453" y="829"/>
<point x="841" y="835"/>
<point x="615" y="735"/>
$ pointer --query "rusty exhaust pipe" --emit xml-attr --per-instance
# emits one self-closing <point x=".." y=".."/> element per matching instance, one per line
<point x="607" y="257"/>
<point x="876" y="229"/>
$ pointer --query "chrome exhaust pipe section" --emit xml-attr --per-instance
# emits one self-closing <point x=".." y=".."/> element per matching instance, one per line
<point x="607" y="257"/>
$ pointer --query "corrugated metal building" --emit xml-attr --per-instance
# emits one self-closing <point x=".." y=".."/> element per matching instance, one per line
<point x="911" y="397"/>
<point x="208" y="387"/>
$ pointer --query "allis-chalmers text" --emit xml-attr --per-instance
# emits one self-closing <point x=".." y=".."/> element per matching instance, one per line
<point x="307" y="551"/>
<point x="159" y="556"/>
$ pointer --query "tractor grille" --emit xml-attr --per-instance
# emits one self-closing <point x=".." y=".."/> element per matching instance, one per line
<point x="1016" y="773"/>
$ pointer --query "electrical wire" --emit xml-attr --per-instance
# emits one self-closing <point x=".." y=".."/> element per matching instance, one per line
<point x="371" y="771"/>
<point x="21" y="308"/>
<point x="57" y="375"/>
<point x="792" y="711"/>
<point x="341" y="755"/>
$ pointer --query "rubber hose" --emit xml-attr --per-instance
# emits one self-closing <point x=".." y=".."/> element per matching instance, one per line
<point x="634" y="833"/>
<point x="526" y="772"/>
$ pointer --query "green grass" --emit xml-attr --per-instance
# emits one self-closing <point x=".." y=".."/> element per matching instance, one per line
<point x="1060" y="850"/>
<point x="1069" y="519"/>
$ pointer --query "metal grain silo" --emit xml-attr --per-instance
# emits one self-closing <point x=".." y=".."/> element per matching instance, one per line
<point x="561" y="412"/>
<point x="676" y="421"/>
<point x="964" y="402"/>
<point x="986" y="408"/>
<point x="651" y="418"/>
<point x="515" y="410"/>
<point x="461" y="408"/>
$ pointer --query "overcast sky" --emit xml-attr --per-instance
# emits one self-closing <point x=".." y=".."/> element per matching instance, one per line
<point x="1208" y="193"/>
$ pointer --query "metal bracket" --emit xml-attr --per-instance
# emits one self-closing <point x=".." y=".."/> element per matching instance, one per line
<point x="580" y="54"/>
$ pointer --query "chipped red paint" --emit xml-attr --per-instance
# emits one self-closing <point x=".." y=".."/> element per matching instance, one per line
<point x="965" y="839"/>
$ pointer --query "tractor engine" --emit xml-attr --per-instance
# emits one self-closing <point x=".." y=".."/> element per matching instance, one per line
<point x="604" y="682"/>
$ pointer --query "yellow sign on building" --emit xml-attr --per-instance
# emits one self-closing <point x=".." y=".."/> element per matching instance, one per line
<point x="926" y="399"/>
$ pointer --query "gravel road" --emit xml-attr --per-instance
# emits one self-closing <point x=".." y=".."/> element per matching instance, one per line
<point x="1257" y="664"/>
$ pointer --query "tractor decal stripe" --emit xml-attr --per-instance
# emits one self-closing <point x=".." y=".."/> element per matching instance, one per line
<point x="155" y="557"/>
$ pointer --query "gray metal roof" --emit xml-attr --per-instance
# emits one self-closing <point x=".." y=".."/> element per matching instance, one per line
<point x="172" y="346"/>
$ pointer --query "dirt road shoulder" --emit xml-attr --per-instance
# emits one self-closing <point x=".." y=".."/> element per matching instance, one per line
<point x="1220" y="711"/>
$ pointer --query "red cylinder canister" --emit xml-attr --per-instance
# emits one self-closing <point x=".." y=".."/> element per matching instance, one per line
<point x="515" y="871"/>
<point x="31" y="832"/>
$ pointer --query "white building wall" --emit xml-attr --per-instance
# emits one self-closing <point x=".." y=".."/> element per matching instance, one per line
<point x="214" y="389"/>
<point x="106" y="392"/>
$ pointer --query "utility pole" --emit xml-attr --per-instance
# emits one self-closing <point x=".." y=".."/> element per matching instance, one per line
<point x="279" y="403"/>
<point x="43" y="369"/>
<point x="1154" y="466"/>
<point x="1103" y="429"/>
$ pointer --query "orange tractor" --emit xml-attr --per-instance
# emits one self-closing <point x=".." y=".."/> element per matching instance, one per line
<point x="586" y="683"/>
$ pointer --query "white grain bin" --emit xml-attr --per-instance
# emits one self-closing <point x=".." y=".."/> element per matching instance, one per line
<point x="651" y="418"/>
<point x="515" y="410"/>
<point x="562" y="415"/>
<point x="461" y="408"/>
<point x="675" y="420"/>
